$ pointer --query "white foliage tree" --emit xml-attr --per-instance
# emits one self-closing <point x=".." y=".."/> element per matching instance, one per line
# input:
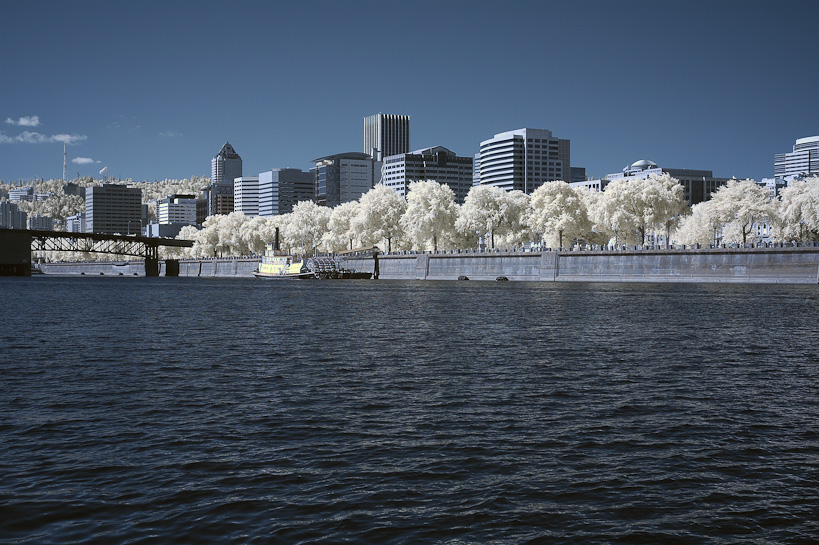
<point x="739" y="205"/>
<point x="633" y="208"/>
<point x="798" y="210"/>
<point x="340" y="233"/>
<point x="379" y="216"/>
<point x="306" y="227"/>
<point x="429" y="220"/>
<point x="700" y="227"/>
<point x="483" y="213"/>
<point x="558" y="212"/>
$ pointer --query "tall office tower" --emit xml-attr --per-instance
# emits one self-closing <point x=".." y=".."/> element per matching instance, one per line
<point x="280" y="189"/>
<point x="386" y="135"/>
<point x="524" y="159"/>
<point x="246" y="195"/>
<point x="344" y="177"/>
<point x="803" y="161"/>
<point x="11" y="217"/>
<point x="436" y="163"/>
<point x="113" y="208"/>
<point x="225" y="167"/>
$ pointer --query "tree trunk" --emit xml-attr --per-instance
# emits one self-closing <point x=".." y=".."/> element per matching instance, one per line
<point x="435" y="242"/>
<point x="560" y="234"/>
<point x="492" y="238"/>
<point x="389" y="245"/>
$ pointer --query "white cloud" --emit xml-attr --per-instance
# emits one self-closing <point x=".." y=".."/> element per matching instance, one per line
<point x="69" y="139"/>
<point x="25" y="121"/>
<point x="29" y="137"/>
<point x="83" y="161"/>
<point x="170" y="134"/>
<point x="32" y="137"/>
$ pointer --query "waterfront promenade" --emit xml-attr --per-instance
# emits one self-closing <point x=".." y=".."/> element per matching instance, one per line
<point x="772" y="264"/>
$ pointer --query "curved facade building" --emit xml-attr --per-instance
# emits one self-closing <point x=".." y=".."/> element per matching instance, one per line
<point x="803" y="161"/>
<point x="524" y="159"/>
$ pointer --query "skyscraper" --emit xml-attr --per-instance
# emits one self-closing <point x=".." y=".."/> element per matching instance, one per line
<point x="225" y="165"/>
<point x="386" y="134"/>
<point x="803" y="161"/>
<point x="524" y="159"/>
<point x="224" y="168"/>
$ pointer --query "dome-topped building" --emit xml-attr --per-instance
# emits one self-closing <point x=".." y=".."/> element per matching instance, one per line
<point x="643" y="164"/>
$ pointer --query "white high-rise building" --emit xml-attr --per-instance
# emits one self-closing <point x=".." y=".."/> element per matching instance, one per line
<point x="803" y="161"/>
<point x="246" y="195"/>
<point x="524" y="159"/>
<point x="386" y="134"/>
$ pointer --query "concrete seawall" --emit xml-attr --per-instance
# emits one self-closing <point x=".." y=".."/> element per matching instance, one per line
<point x="787" y="265"/>
<point x="217" y="267"/>
<point x="758" y="265"/>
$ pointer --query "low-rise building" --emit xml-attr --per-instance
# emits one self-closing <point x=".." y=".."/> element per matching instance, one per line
<point x="21" y="194"/>
<point x="697" y="184"/>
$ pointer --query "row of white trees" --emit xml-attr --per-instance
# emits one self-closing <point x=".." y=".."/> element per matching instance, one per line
<point x="429" y="219"/>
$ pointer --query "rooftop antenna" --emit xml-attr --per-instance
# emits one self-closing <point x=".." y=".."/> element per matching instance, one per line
<point x="65" y="165"/>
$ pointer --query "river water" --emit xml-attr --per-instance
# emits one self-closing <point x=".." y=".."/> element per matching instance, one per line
<point x="192" y="410"/>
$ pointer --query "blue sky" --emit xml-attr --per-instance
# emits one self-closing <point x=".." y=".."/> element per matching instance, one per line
<point x="153" y="89"/>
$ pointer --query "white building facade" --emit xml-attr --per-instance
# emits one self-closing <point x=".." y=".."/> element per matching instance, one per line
<point x="524" y="159"/>
<point x="246" y="195"/>
<point x="177" y="209"/>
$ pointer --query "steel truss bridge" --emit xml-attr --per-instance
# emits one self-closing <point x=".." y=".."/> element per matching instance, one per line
<point x="16" y="246"/>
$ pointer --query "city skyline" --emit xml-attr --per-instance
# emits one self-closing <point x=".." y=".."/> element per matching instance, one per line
<point x="154" y="90"/>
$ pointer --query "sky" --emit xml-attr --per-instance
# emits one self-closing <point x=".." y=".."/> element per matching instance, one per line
<point x="154" y="89"/>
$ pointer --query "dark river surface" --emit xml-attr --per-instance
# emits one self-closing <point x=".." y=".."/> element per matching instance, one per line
<point x="188" y="410"/>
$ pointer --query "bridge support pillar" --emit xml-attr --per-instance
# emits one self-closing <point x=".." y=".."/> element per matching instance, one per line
<point x="151" y="266"/>
<point x="171" y="267"/>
